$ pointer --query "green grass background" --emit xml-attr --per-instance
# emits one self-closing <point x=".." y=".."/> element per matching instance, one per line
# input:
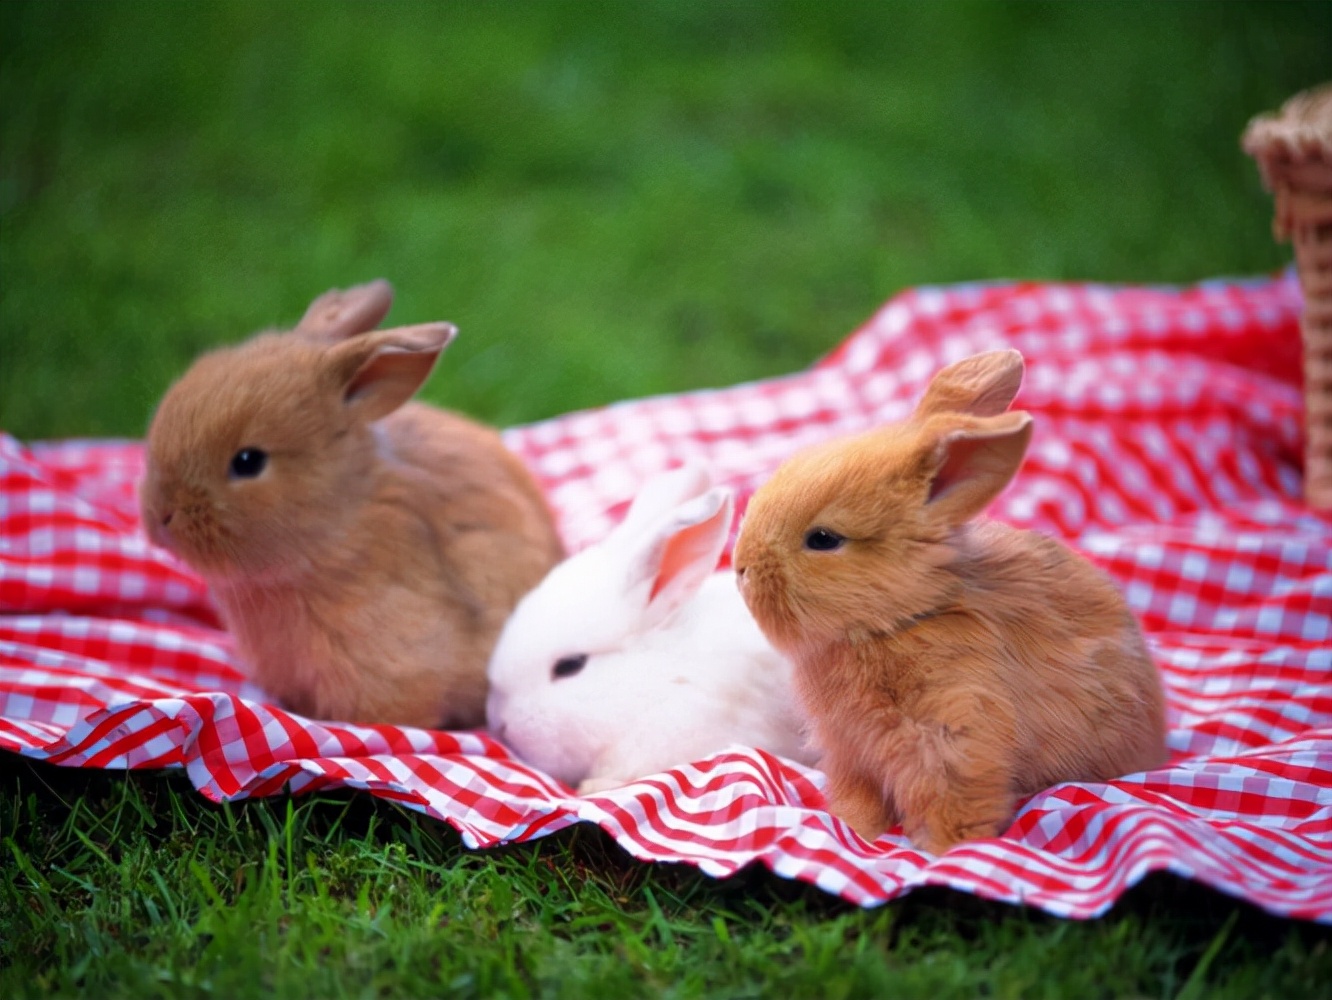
<point x="610" y="199"/>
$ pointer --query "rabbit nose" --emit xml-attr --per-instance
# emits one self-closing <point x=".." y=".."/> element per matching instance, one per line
<point x="166" y="518"/>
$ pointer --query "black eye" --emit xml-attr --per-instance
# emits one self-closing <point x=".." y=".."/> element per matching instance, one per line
<point x="823" y="540"/>
<point x="568" y="666"/>
<point x="248" y="463"/>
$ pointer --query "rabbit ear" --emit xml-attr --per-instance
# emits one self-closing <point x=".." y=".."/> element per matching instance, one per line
<point x="672" y="560"/>
<point x="972" y="463"/>
<point x="344" y="312"/>
<point x="661" y="494"/>
<point x="983" y="385"/>
<point x="379" y="372"/>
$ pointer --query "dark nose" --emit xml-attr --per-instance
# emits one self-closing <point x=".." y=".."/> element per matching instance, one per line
<point x="166" y="518"/>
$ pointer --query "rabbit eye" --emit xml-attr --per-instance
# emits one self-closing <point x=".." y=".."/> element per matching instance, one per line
<point x="823" y="540"/>
<point x="568" y="666"/>
<point x="248" y="463"/>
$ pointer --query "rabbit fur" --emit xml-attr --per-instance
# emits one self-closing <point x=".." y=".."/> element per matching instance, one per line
<point x="367" y="558"/>
<point x="948" y="665"/>
<point x="633" y="655"/>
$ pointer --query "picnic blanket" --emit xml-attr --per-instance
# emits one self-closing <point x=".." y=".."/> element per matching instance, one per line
<point x="1167" y="448"/>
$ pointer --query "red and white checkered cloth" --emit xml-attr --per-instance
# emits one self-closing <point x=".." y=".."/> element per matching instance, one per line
<point x="1167" y="447"/>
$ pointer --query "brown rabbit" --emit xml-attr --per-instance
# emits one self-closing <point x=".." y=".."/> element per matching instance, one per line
<point x="947" y="667"/>
<point x="363" y="550"/>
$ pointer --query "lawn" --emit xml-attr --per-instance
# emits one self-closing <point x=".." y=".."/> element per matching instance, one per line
<point x="610" y="200"/>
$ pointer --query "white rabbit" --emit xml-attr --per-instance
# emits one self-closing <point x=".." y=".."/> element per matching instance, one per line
<point x="633" y="655"/>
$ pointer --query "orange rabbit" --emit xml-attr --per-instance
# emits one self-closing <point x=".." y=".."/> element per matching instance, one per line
<point x="363" y="550"/>
<point x="948" y="667"/>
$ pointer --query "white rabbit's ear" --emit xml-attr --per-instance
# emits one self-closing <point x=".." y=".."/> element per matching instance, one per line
<point x="661" y="494"/>
<point x="672" y="560"/>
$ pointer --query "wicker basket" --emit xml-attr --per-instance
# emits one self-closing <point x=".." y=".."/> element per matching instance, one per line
<point x="1293" y="148"/>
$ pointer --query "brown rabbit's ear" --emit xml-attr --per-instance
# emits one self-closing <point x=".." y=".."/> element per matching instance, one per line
<point x="983" y="385"/>
<point x="344" y="312"/>
<point x="972" y="463"/>
<point x="379" y="372"/>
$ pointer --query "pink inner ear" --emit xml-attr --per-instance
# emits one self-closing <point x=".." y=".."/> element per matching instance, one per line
<point x="386" y="364"/>
<point x="956" y="467"/>
<point x="684" y="549"/>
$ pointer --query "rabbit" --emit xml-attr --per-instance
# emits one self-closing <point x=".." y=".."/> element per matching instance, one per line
<point x="363" y="550"/>
<point x="633" y="655"/>
<point x="947" y="666"/>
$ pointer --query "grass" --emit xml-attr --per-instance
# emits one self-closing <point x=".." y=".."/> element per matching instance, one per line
<point x="610" y="199"/>
<point x="128" y="885"/>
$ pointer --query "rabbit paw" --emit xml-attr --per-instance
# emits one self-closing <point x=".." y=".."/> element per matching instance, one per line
<point x="931" y="843"/>
<point x="859" y="805"/>
<point x="936" y="832"/>
<point x="590" y="786"/>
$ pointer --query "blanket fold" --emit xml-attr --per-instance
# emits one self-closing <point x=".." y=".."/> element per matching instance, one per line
<point x="1167" y="448"/>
